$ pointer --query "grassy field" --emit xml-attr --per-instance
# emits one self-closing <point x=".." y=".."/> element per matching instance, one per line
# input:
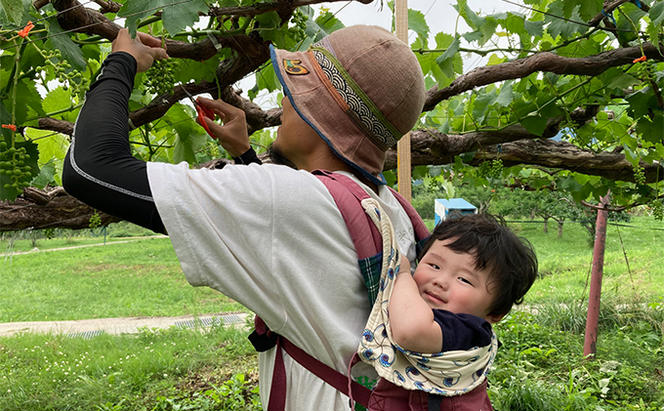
<point x="155" y="370"/>
<point x="29" y="240"/>
<point x="141" y="278"/>
<point x="540" y="366"/>
<point x="633" y="267"/>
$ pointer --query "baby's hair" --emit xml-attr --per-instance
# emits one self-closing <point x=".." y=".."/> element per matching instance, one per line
<point x="511" y="260"/>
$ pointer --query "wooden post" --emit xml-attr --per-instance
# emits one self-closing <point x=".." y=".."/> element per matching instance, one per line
<point x="592" y="319"/>
<point x="403" y="146"/>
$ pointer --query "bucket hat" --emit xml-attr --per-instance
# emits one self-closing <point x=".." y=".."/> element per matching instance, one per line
<point x="360" y="88"/>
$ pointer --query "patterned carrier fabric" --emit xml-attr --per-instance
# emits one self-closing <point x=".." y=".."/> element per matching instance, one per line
<point x="448" y="373"/>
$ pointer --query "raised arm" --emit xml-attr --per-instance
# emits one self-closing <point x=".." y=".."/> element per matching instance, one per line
<point x="411" y="318"/>
<point x="99" y="168"/>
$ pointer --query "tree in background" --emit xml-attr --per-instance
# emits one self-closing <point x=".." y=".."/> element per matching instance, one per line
<point x="556" y="206"/>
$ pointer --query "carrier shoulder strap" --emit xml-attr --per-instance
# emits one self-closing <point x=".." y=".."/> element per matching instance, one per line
<point x="348" y="195"/>
<point x="421" y="231"/>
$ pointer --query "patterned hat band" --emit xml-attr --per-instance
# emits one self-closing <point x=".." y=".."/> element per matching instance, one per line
<point x="354" y="101"/>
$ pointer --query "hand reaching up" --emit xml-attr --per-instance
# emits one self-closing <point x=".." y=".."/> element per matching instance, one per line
<point x="144" y="48"/>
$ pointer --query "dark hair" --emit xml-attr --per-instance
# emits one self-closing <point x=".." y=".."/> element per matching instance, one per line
<point x="511" y="260"/>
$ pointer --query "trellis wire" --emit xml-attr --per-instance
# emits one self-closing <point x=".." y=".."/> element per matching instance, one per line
<point x="104" y="22"/>
<point x="56" y="14"/>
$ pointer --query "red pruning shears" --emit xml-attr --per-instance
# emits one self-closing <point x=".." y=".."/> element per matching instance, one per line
<point x="202" y="113"/>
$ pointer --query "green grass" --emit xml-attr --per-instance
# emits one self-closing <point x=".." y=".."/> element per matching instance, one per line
<point x="28" y="240"/>
<point x="149" y="371"/>
<point x="539" y="367"/>
<point x="565" y="263"/>
<point x="8" y="247"/>
<point x="141" y="278"/>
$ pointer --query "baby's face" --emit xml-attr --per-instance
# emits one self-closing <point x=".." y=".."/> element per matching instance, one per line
<point x="449" y="280"/>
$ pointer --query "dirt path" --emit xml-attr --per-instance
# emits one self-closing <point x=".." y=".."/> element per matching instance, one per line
<point x="36" y="250"/>
<point x="130" y="325"/>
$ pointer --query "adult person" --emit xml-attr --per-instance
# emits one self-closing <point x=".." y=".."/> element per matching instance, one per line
<point x="270" y="236"/>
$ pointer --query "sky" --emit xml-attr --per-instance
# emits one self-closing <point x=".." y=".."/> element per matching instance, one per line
<point x="440" y="15"/>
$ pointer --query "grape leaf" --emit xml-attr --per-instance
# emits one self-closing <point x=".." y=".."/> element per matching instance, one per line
<point x="136" y="10"/>
<point x="270" y="27"/>
<point x="51" y="146"/>
<point x="29" y="102"/>
<point x="534" y="28"/>
<point x="536" y="124"/>
<point x="514" y="23"/>
<point x="178" y="16"/>
<point x="266" y="78"/>
<point x="449" y="60"/>
<point x="418" y="24"/>
<point x="190" y="136"/>
<point x="482" y="103"/>
<point x="473" y="20"/>
<point x="505" y="95"/>
<point x="559" y="26"/>
<point x="57" y="99"/>
<point x="15" y="11"/>
<point x="656" y="13"/>
<point x="589" y="9"/>
<point x="45" y="176"/>
<point x="323" y="25"/>
<point x="58" y="39"/>
<point x="190" y="70"/>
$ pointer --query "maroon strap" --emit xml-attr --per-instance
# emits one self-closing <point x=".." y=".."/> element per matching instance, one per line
<point x="321" y="370"/>
<point x="347" y="195"/>
<point x="277" y="400"/>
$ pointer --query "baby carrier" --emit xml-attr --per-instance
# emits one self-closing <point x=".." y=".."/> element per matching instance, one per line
<point x="369" y="247"/>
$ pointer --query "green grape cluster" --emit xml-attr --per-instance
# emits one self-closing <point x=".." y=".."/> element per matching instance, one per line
<point x="496" y="169"/>
<point x="65" y="73"/>
<point x="646" y="69"/>
<point x="657" y="207"/>
<point x="491" y="169"/>
<point x="212" y="150"/>
<point x="639" y="174"/>
<point x="14" y="164"/>
<point x="160" y="78"/>
<point x="95" y="221"/>
<point x="299" y="21"/>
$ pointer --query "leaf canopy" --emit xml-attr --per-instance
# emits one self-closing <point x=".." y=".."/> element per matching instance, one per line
<point x="560" y="97"/>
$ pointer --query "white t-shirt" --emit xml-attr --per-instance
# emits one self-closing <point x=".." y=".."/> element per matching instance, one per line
<point x="272" y="238"/>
